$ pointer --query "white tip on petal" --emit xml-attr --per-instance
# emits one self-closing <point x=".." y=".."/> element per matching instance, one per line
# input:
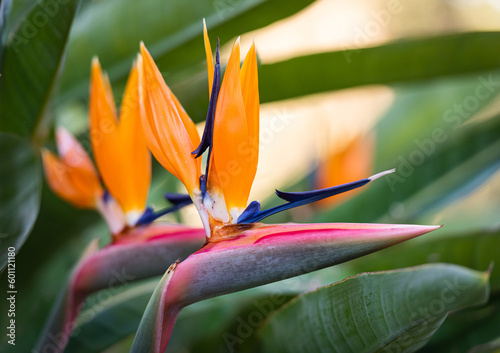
<point x="64" y="140"/>
<point x="112" y="214"/>
<point x="381" y="174"/>
<point x="132" y="217"/>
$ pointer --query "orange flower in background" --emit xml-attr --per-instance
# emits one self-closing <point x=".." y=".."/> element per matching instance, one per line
<point x="352" y="162"/>
<point x="73" y="178"/>
<point x="121" y="155"/>
<point x="71" y="175"/>
<point x="119" y="144"/>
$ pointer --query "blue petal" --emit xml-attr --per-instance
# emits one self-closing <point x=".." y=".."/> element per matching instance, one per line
<point x="106" y="196"/>
<point x="315" y="195"/>
<point x="178" y="201"/>
<point x="250" y="211"/>
<point x="206" y="140"/>
<point x="296" y="199"/>
<point x="147" y="217"/>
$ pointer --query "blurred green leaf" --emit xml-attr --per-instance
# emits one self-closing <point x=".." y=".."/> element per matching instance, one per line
<point x="402" y="61"/>
<point x="441" y="167"/>
<point x="110" y="316"/>
<point x="5" y="10"/>
<point x="54" y="247"/>
<point x="466" y="329"/>
<point x="172" y="31"/>
<point x="20" y="192"/>
<point x="386" y="311"/>
<point x="417" y="112"/>
<point x="18" y="12"/>
<point x="32" y="60"/>
<point x="216" y="327"/>
<point x="420" y="110"/>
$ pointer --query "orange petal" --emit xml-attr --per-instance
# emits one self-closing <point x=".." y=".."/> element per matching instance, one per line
<point x="170" y="133"/>
<point x="103" y="126"/>
<point x="120" y="148"/>
<point x="102" y="104"/>
<point x="210" y="62"/>
<point x="132" y="152"/>
<point x="231" y="138"/>
<point x="354" y="162"/>
<point x="76" y="185"/>
<point x="71" y="152"/>
<point x="151" y="135"/>
<point x="250" y="92"/>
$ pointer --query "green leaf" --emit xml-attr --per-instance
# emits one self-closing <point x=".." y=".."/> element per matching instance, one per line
<point x="417" y="114"/>
<point x="32" y="59"/>
<point x="18" y="12"/>
<point x="393" y="311"/>
<point x="55" y="245"/>
<point x="421" y="110"/>
<point x="5" y="10"/>
<point x="172" y="31"/>
<point x="214" y="325"/>
<point x="20" y="192"/>
<point x="402" y="61"/>
<point x="466" y="329"/>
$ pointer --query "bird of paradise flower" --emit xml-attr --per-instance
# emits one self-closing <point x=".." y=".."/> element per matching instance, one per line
<point x="239" y="251"/>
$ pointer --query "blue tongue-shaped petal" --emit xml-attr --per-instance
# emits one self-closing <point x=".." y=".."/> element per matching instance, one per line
<point x="252" y="209"/>
<point x="178" y="201"/>
<point x="253" y="214"/>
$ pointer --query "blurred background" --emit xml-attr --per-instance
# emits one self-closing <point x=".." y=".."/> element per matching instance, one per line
<point x="348" y="89"/>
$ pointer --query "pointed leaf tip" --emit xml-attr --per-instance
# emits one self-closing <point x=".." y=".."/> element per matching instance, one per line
<point x="158" y="320"/>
